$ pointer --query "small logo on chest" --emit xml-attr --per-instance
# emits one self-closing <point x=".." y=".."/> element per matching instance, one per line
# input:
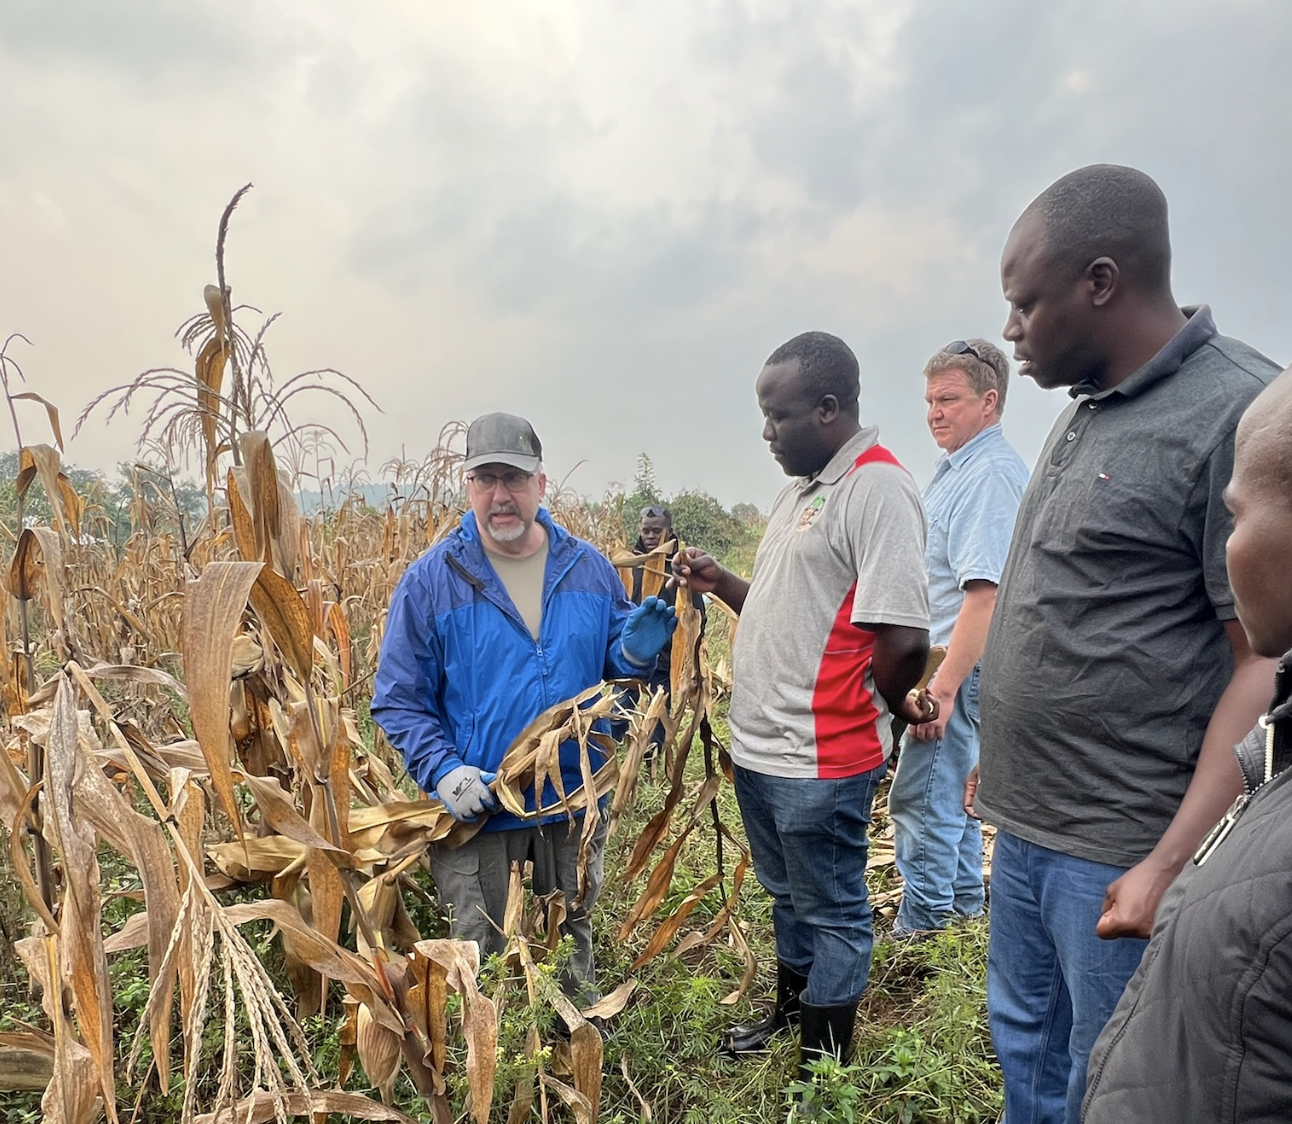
<point x="810" y="513"/>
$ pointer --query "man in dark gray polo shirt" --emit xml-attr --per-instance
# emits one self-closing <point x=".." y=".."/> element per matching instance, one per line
<point x="1116" y="678"/>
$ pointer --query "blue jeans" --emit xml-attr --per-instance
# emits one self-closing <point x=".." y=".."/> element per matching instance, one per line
<point x="809" y="844"/>
<point x="1051" y="983"/>
<point x="939" y="847"/>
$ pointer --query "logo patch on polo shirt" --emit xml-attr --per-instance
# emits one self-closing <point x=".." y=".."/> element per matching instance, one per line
<point x="808" y="517"/>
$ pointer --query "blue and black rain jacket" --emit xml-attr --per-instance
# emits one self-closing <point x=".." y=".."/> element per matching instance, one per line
<point x="460" y="675"/>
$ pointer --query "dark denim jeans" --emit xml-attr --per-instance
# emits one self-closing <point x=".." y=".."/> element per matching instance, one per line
<point x="809" y="844"/>
<point x="1051" y="983"/>
<point x="938" y="846"/>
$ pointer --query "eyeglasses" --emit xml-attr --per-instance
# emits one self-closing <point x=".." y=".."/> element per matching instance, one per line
<point x="961" y="347"/>
<point x="654" y="513"/>
<point x="514" y="481"/>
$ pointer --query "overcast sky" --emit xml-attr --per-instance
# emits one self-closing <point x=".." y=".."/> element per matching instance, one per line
<point x="604" y="215"/>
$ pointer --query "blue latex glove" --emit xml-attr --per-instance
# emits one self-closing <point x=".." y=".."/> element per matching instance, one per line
<point x="648" y="628"/>
<point x="464" y="792"/>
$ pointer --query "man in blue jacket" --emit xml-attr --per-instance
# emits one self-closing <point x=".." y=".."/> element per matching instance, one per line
<point x="508" y="616"/>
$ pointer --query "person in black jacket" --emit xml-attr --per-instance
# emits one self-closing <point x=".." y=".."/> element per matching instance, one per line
<point x="1203" y="1032"/>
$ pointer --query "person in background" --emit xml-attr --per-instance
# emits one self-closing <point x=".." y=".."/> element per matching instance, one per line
<point x="970" y="505"/>
<point x="508" y="616"/>
<point x="833" y="635"/>
<point x="1116" y="679"/>
<point x="657" y="534"/>
<point x="1203" y="1034"/>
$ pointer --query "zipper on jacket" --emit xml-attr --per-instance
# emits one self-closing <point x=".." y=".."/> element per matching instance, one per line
<point x="1218" y="834"/>
<point x="508" y="608"/>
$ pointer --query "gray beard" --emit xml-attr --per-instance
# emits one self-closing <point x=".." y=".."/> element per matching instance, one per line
<point x="512" y="535"/>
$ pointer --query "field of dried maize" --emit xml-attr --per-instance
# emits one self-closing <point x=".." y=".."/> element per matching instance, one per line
<point x="224" y="912"/>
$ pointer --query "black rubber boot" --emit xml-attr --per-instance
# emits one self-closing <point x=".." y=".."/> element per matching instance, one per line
<point x="754" y="1038"/>
<point x="824" y="1030"/>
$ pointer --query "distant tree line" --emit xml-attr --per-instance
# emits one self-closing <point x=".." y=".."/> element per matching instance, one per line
<point x="140" y="495"/>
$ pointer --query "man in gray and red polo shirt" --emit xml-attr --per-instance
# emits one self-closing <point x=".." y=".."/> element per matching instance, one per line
<point x="833" y="634"/>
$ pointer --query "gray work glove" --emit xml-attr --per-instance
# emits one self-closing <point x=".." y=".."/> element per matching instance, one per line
<point x="464" y="792"/>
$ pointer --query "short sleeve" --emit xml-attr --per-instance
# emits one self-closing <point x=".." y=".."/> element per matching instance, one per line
<point x="1212" y="524"/>
<point x="886" y="534"/>
<point x="981" y="527"/>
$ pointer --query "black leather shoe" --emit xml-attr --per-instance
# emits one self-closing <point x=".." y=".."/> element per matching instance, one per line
<point x="754" y="1038"/>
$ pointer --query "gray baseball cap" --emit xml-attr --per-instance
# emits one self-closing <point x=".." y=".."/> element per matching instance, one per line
<point x="503" y="439"/>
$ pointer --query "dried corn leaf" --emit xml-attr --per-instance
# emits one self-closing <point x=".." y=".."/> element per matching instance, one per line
<point x="388" y="826"/>
<point x="379" y="1051"/>
<point x="646" y="1114"/>
<point x="608" y="1006"/>
<point x="208" y="369"/>
<point x="658" y="827"/>
<point x="262" y="479"/>
<point x="133" y="673"/>
<point x="258" y="860"/>
<point x="82" y="962"/>
<point x="327" y="891"/>
<point x="213" y="298"/>
<point x="73" y="1095"/>
<point x="686" y="644"/>
<point x="43" y="461"/>
<point x="347" y="1038"/>
<point x="638" y="744"/>
<point x="73" y="505"/>
<point x="26" y="1059"/>
<point x="283" y="612"/>
<point x="37" y="569"/>
<point x="461" y="963"/>
<point x="261" y="1107"/>
<point x="279" y="812"/>
<point x="287" y="545"/>
<point x="360" y="977"/>
<point x="213" y="607"/>
<point x="50" y="409"/>
<point x="421" y="993"/>
<point x="238" y="488"/>
<point x="340" y="628"/>
<point x="575" y="1101"/>
<point x="668" y="928"/>
<point x="480" y="1025"/>
<point x="751" y="966"/>
<point x="140" y="839"/>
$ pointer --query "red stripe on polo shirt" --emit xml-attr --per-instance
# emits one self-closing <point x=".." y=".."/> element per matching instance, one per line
<point x="847" y="739"/>
<point x="847" y="736"/>
<point x="876" y="454"/>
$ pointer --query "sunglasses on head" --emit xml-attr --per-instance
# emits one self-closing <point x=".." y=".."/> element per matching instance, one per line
<point x="963" y="347"/>
<point x="654" y="513"/>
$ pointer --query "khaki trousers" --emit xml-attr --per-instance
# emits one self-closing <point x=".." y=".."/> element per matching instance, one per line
<point x="473" y="880"/>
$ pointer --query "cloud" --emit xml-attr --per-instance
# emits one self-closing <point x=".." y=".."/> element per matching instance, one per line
<point x="149" y="42"/>
<point x="606" y="216"/>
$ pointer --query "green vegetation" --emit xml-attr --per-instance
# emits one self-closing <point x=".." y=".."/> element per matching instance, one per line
<point x="115" y="506"/>
<point x="731" y="536"/>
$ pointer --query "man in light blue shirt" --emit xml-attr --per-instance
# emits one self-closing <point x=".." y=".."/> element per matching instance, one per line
<point x="970" y="505"/>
